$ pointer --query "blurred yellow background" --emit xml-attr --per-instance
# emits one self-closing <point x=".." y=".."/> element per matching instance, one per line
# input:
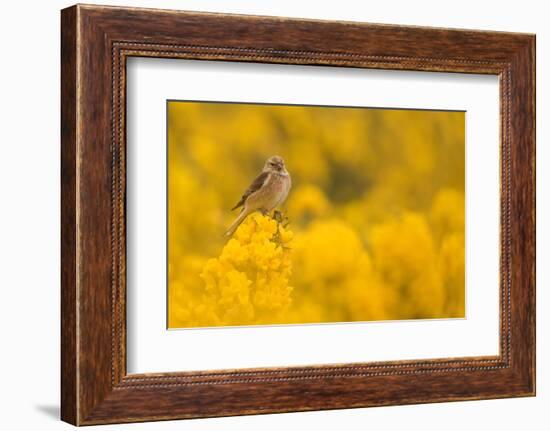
<point x="376" y="215"/>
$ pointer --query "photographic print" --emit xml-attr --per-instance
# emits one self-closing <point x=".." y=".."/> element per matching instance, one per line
<point x="291" y="214"/>
<point x="297" y="256"/>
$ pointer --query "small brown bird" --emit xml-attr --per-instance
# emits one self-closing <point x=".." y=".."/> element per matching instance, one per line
<point x="266" y="192"/>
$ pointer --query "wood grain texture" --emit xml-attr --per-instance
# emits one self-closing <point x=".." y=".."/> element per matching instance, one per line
<point x="96" y="41"/>
<point x="69" y="367"/>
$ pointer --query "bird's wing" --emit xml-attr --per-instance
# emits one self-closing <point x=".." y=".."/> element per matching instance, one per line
<point x="255" y="186"/>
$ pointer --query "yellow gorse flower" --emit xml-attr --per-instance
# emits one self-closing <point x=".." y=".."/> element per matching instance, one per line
<point x="249" y="282"/>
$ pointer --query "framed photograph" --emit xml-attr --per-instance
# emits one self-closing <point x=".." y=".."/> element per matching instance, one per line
<point x="265" y="215"/>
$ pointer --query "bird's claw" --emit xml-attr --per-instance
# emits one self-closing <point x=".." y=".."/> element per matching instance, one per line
<point x="281" y="220"/>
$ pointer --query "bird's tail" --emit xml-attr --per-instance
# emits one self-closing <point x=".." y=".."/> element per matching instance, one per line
<point x="244" y="213"/>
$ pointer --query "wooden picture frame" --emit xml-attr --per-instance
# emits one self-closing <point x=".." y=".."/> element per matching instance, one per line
<point x="95" y="43"/>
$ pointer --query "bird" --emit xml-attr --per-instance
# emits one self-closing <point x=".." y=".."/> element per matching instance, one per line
<point x="268" y="191"/>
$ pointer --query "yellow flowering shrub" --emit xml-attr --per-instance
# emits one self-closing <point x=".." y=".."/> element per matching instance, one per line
<point x="376" y="215"/>
<point x="447" y="214"/>
<point x="406" y="260"/>
<point x="308" y="203"/>
<point x="335" y="269"/>
<point x="249" y="282"/>
<point x="451" y="268"/>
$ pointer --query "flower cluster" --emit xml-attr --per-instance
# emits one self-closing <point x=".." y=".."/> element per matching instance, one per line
<point x="249" y="282"/>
